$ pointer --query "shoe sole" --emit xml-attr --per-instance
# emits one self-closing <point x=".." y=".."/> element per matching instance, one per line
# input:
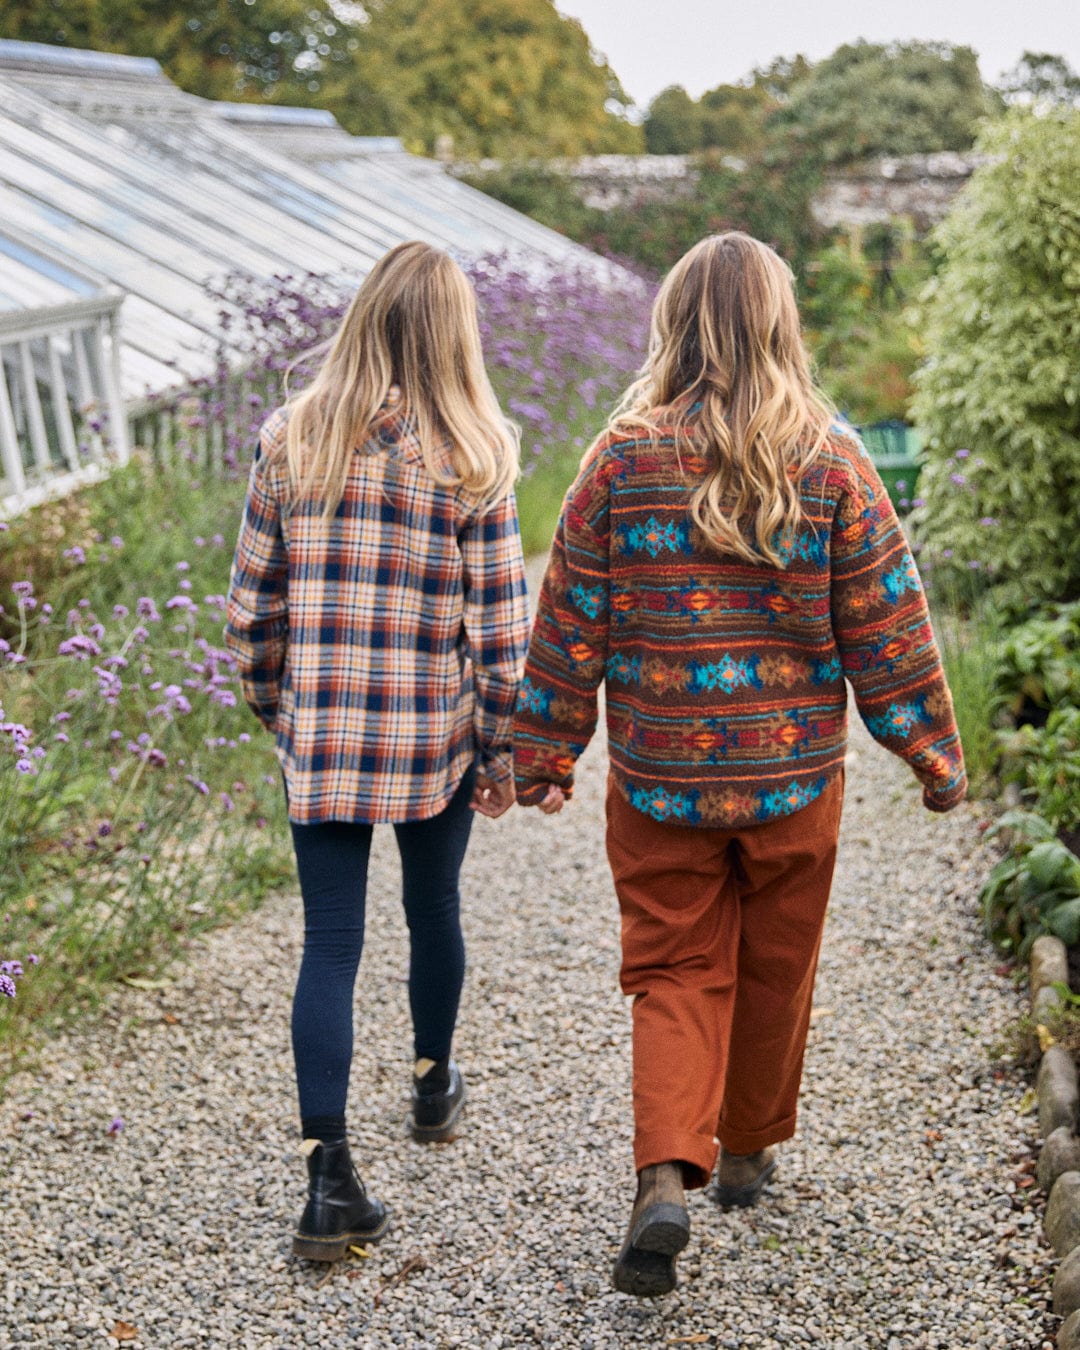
<point x="663" y="1230"/>
<point x="644" y="1274"/>
<point x="742" y="1197"/>
<point x="441" y="1133"/>
<point x="311" y="1248"/>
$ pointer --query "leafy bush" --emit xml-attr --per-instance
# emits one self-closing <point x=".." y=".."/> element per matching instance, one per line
<point x="998" y="396"/>
<point x="1039" y="667"/>
<point x="139" y="800"/>
<point x="1035" y="889"/>
<point x="1046" y="762"/>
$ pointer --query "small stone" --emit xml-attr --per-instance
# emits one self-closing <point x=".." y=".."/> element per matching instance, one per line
<point x="1060" y="1153"/>
<point x="1057" y="1091"/>
<point x="1062" y="1221"/>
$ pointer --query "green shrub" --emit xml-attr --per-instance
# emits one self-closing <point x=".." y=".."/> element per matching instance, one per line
<point x="1040" y="661"/>
<point x="998" y="396"/>
<point x="1035" y="889"/>
<point x="1046" y="762"/>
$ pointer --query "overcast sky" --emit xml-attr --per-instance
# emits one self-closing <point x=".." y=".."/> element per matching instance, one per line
<point x="702" y="43"/>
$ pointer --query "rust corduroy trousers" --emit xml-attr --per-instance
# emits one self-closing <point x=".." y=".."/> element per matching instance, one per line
<point x="720" y="938"/>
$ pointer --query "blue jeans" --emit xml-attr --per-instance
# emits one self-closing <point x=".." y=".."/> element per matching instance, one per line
<point x="332" y="860"/>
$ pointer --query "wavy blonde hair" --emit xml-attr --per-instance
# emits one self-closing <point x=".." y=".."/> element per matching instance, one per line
<point x="412" y="323"/>
<point x="727" y="368"/>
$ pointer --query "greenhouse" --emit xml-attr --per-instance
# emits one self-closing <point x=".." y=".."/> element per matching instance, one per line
<point x="124" y="203"/>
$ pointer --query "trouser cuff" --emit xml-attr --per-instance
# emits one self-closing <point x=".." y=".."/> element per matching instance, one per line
<point x="697" y="1153"/>
<point x="750" y="1141"/>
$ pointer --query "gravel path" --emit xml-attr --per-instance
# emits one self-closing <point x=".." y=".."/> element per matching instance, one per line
<point x="900" y="1216"/>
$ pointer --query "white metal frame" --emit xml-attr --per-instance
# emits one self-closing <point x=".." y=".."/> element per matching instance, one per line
<point x="93" y="328"/>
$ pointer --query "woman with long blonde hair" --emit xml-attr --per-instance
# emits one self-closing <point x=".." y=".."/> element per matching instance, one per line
<point x="378" y="617"/>
<point x="726" y="556"/>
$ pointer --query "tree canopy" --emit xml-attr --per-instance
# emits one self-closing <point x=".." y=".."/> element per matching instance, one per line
<point x="509" y="78"/>
<point x="999" y="392"/>
<point x="222" y="49"/>
<point x="903" y="98"/>
<point x="503" y="78"/>
<point x="1042" y="78"/>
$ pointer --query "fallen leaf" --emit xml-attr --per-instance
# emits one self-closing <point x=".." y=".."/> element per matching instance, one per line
<point x="170" y="1019"/>
<point x="815" y="1013"/>
<point x="360" y="1251"/>
<point x="139" y="982"/>
<point x="933" y="1136"/>
<point x="1046" y="1040"/>
<point x="125" y="1331"/>
<point x="1027" y="1102"/>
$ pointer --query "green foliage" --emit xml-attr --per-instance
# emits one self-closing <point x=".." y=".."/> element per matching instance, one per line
<point x="1034" y="889"/>
<point x="998" y="396"/>
<point x="115" y="850"/>
<point x="1042" y="79"/>
<point x="1040" y="662"/>
<point x="221" y="49"/>
<point x="1046" y="762"/>
<point x="732" y="117"/>
<point x="901" y="99"/>
<point x="506" y="78"/>
<point x="501" y="77"/>
<point x="858" y="324"/>
<point x="969" y="633"/>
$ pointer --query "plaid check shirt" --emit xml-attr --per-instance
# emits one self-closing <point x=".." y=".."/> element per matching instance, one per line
<point x="384" y="647"/>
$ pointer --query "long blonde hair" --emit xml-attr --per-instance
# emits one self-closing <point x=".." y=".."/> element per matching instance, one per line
<point x="412" y="323"/>
<point x="726" y="349"/>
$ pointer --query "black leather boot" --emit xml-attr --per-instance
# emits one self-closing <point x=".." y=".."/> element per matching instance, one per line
<point x="339" y="1210"/>
<point x="438" y="1099"/>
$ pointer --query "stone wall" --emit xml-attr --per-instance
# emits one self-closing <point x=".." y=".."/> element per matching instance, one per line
<point x="919" y="187"/>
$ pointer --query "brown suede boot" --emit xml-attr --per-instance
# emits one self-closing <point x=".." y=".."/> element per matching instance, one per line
<point x="740" y="1177"/>
<point x="659" y="1229"/>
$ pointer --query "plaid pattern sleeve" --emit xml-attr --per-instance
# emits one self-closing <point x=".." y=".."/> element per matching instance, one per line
<point x="496" y="623"/>
<point x="887" y="648"/>
<point x="557" y="706"/>
<point x="257" y="616"/>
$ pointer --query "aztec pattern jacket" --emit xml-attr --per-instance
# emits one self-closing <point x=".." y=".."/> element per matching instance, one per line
<point x="725" y="681"/>
<point x="384" y="648"/>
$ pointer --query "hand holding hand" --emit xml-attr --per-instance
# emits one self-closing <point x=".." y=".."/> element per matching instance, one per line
<point x="553" y="800"/>
<point x="492" y="799"/>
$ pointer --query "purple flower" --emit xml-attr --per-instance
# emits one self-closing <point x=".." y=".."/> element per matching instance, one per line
<point x="117" y="1126"/>
<point x="116" y="541"/>
<point x="988" y="520"/>
<point x="23" y="589"/>
<point x="62" y="717"/>
<point x="80" y="646"/>
<point x="120" y="611"/>
<point x="33" y="959"/>
<point x="183" y="567"/>
<point x="962" y="454"/>
<point x="184" y="602"/>
<point x="61" y="738"/>
<point x="24" y="766"/>
<point x="146" y="609"/>
<point x="218" y="541"/>
<point x="7" y="986"/>
<point x="958" y="479"/>
<point x="199" y="786"/>
<point x="227" y="802"/>
<point x="76" y="554"/>
<point x="104" y="829"/>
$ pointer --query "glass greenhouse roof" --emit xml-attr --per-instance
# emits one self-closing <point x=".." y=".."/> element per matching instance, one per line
<point x="110" y="176"/>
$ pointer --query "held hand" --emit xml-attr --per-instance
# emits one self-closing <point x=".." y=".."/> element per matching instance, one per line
<point x="492" y="799"/>
<point x="553" y="800"/>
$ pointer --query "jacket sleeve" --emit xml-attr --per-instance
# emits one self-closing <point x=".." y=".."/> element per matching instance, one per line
<point x="557" y="707"/>
<point x="888" y="653"/>
<point x="257" y="612"/>
<point x="496" y="623"/>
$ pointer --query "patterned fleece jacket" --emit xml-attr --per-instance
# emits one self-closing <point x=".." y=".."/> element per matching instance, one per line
<point x="725" y="680"/>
